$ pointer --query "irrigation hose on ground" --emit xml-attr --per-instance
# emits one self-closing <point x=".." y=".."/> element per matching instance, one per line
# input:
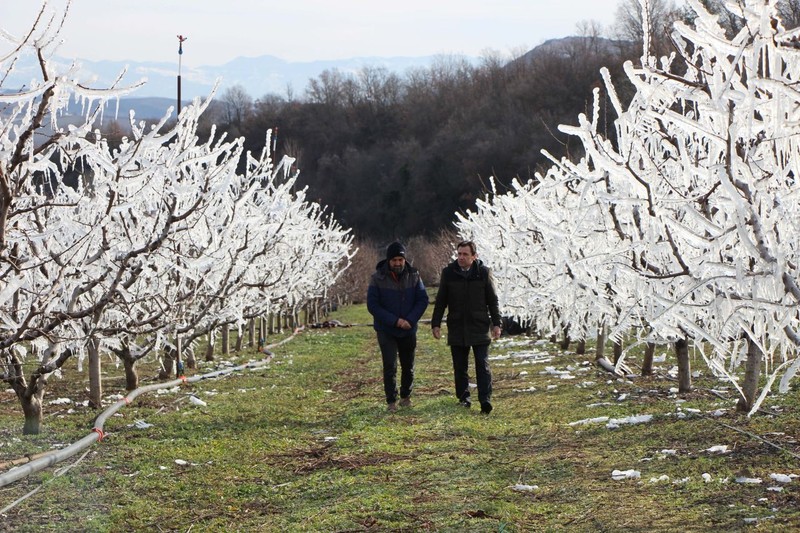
<point x="52" y="458"/>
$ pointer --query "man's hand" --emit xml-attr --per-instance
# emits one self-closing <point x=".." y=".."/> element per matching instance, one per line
<point x="402" y="323"/>
<point x="496" y="332"/>
<point x="437" y="333"/>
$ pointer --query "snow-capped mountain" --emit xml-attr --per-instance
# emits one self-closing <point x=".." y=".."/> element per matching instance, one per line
<point x="258" y="75"/>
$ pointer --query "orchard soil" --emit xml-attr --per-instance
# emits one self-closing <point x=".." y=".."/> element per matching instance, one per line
<point x="306" y="444"/>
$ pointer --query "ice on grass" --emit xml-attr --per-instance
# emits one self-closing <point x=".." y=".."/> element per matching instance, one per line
<point x="60" y="401"/>
<point x="630" y="420"/>
<point x="525" y="488"/>
<point x="597" y="420"/>
<point x="618" y="475"/>
<point x="718" y="449"/>
<point x="197" y="401"/>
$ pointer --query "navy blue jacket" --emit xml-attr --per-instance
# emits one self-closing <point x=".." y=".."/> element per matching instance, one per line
<point x="391" y="296"/>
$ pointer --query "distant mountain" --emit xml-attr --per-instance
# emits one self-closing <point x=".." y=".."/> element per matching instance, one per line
<point x="258" y="75"/>
<point x="576" y="46"/>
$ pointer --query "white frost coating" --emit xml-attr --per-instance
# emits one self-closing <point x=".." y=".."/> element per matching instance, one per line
<point x="688" y="227"/>
<point x="160" y="238"/>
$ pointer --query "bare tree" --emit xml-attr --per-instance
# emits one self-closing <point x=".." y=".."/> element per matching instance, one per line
<point x="632" y="20"/>
<point x="237" y="105"/>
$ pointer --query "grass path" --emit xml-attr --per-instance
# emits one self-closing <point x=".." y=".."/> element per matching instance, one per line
<point x="306" y="444"/>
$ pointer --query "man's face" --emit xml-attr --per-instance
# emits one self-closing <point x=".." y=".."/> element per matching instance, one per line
<point x="396" y="264"/>
<point x="465" y="257"/>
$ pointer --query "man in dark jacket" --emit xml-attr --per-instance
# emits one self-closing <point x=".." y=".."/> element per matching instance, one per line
<point x="396" y="298"/>
<point x="467" y="290"/>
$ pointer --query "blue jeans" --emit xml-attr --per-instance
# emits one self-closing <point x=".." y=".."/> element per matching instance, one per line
<point x="482" y="372"/>
<point x="392" y="348"/>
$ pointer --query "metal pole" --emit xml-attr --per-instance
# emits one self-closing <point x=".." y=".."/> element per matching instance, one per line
<point x="181" y="38"/>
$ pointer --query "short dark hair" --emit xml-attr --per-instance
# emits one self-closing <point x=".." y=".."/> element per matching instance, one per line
<point x="467" y="244"/>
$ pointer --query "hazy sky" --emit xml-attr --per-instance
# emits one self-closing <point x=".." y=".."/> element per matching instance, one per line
<point x="305" y="30"/>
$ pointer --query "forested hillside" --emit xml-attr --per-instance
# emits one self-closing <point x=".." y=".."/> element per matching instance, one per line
<point x="395" y="155"/>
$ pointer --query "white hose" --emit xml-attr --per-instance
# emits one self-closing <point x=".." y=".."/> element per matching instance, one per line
<point x="97" y="434"/>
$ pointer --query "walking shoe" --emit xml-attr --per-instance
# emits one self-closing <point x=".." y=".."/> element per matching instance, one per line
<point x="486" y="408"/>
<point x="392" y="407"/>
<point x="465" y="403"/>
<point x="405" y="402"/>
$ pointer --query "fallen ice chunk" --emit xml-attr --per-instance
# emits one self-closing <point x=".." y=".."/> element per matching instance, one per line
<point x="720" y="448"/>
<point x="525" y="488"/>
<point x="197" y="401"/>
<point x="625" y="474"/>
<point x="781" y="478"/>
<point x="598" y="420"/>
<point x="660" y="478"/>
<point x="749" y="480"/>
<point x="181" y="462"/>
<point x="60" y="401"/>
<point x="706" y="477"/>
<point x="632" y="420"/>
<point x="141" y="424"/>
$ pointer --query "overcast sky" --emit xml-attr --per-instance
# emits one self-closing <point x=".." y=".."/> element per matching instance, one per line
<point x="305" y="30"/>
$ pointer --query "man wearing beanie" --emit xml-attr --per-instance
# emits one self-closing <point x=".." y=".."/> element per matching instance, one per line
<point x="396" y="299"/>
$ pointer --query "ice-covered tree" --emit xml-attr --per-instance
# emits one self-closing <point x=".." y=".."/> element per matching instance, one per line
<point x="130" y="249"/>
<point x="699" y="195"/>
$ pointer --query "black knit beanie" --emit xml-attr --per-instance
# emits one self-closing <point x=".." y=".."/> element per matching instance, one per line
<point x="395" y="250"/>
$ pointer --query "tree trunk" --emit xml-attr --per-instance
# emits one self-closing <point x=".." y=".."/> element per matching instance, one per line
<point x="580" y="348"/>
<point x="565" y="339"/>
<point x="32" y="408"/>
<point x="751" y="376"/>
<point x="239" y="341"/>
<point x="95" y="379"/>
<point x="647" y="363"/>
<point x="188" y="356"/>
<point x="131" y="376"/>
<point x="684" y="366"/>
<point x="601" y="341"/>
<point x="251" y="333"/>
<point x="167" y="365"/>
<point x="210" y="346"/>
<point x="617" y="351"/>
<point x="226" y="340"/>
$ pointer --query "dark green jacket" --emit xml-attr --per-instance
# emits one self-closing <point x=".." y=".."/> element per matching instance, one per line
<point x="471" y="301"/>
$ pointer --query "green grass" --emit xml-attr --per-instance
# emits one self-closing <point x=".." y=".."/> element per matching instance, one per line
<point x="306" y="444"/>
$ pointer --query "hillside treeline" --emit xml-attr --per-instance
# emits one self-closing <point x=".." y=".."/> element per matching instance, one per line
<point x="396" y="155"/>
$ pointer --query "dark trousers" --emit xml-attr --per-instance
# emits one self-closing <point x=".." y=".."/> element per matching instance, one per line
<point x="483" y="374"/>
<point x="392" y="347"/>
